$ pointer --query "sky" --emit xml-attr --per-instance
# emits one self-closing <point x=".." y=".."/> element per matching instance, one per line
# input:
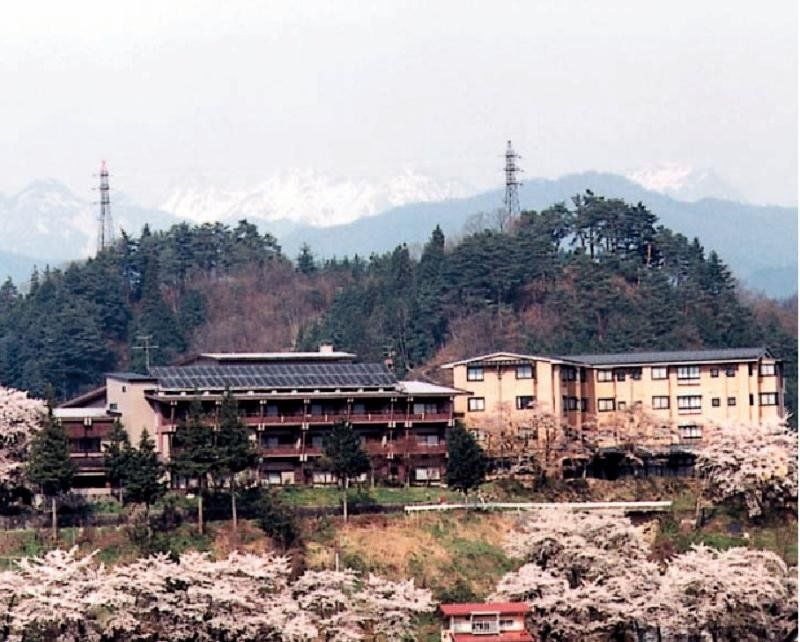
<point x="238" y="91"/>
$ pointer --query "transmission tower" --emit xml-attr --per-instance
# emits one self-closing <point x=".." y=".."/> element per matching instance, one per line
<point x="512" y="182"/>
<point x="105" y="224"/>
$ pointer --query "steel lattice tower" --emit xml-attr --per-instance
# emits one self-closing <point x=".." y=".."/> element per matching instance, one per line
<point x="512" y="182"/>
<point x="105" y="224"/>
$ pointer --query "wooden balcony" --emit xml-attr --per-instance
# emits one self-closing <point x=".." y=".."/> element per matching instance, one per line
<point x="429" y="417"/>
<point x="281" y="451"/>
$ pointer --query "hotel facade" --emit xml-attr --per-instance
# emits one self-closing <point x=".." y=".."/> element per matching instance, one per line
<point x="290" y="400"/>
<point x="684" y="389"/>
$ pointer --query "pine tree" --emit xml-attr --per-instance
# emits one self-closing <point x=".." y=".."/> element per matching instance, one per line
<point x="236" y="450"/>
<point x="117" y="455"/>
<point x="306" y="263"/>
<point x="195" y="455"/>
<point x="144" y="475"/>
<point x="50" y="466"/>
<point x="344" y="457"/>
<point x="466" y="463"/>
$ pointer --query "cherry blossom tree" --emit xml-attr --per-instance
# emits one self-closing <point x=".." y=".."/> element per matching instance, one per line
<point x="754" y="462"/>
<point x="20" y="418"/>
<point x="588" y="577"/>
<point x="67" y="598"/>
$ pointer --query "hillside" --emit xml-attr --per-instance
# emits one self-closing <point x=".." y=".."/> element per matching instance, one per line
<point x="766" y="262"/>
<point x="602" y="275"/>
<point x="46" y="220"/>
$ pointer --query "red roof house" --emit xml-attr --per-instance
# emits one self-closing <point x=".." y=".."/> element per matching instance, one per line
<point x="485" y="622"/>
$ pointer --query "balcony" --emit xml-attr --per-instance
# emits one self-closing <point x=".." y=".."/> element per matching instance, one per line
<point x="429" y="417"/>
<point x="281" y="451"/>
<point x="414" y="447"/>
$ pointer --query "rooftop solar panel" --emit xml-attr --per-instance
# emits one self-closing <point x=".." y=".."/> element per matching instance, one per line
<point x="275" y="376"/>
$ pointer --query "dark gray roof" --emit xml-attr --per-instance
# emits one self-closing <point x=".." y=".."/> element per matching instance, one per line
<point x="130" y="376"/>
<point x="275" y="376"/>
<point x="676" y="356"/>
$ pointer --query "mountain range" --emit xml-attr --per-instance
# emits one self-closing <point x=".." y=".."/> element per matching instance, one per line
<point x="46" y="223"/>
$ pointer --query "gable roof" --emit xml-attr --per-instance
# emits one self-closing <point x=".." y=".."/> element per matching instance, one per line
<point x="466" y="608"/>
<point x="501" y="356"/>
<point x="674" y="356"/>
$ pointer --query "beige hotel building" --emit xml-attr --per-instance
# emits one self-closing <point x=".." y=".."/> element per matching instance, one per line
<point x="685" y="389"/>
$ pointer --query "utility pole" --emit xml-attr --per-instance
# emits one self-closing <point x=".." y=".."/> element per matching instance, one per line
<point x="146" y="347"/>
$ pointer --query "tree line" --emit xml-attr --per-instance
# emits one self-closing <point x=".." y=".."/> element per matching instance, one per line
<point x="595" y="274"/>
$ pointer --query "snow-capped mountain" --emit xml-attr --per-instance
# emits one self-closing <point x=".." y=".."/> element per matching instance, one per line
<point x="683" y="182"/>
<point x="307" y="197"/>
<point x="48" y="220"/>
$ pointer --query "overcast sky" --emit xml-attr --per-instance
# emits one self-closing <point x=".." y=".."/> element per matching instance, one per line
<point x="169" y="89"/>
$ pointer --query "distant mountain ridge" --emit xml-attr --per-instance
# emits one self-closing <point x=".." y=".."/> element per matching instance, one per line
<point x="759" y="242"/>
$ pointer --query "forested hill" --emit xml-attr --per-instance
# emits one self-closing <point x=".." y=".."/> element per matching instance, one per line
<point x="597" y="275"/>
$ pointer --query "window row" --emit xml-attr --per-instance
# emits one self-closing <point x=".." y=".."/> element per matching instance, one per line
<point x="523" y="371"/>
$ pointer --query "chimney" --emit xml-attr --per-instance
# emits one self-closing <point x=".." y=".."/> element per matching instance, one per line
<point x="326" y="347"/>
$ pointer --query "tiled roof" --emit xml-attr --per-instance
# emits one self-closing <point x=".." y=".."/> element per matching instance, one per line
<point x="276" y="376"/>
<point x="676" y="356"/>
<point x="465" y="608"/>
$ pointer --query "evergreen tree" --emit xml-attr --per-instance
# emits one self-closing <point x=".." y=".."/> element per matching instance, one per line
<point x="344" y="457"/>
<point x="50" y="466"/>
<point x="144" y="481"/>
<point x="306" y="263"/>
<point x="236" y="451"/>
<point x="195" y="455"/>
<point x="466" y="463"/>
<point x="117" y="457"/>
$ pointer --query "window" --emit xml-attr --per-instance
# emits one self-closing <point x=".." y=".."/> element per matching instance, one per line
<point x="636" y="374"/>
<point x="323" y="477"/>
<point x="506" y="624"/>
<point x="124" y="388"/>
<point x="768" y="399"/>
<point x="620" y="375"/>
<point x="583" y="404"/>
<point x="730" y="371"/>
<point x="568" y="374"/>
<point x="715" y="372"/>
<point x="112" y="406"/>
<point x="525" y="372"/>
<point x="605" y="405"/>
<point x="660" y="402"/>
<point x="621" y="406"/>
<point x="484" y="626"/>
<point x="430" y="473"/>
<point x="715" y="402"/>
<point x="524" y="402"/>
<point x="428" y="440"/>
<point x="690" y="432"/>
<point x="476" y="404"/>
<point x="751" y="399"/>
<point x="767" y="370"/>
<point x="474" y="373"/>
<point x="688" y="373"/>
<point x="570" y="404"/>
<point x="317" y="441"/>
<point x="605" y="375"/>
<point x="659" y="372"/>
<point x="731" y="401"/>
<point x="583" y="374"/>
<point x="690" y="403"/>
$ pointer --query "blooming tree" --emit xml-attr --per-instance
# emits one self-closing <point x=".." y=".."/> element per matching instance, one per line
<point x="588" y="576"/>
<point x="64" y="597"/>
<point x="756" y="462"/>
<point x="20" y="417"/>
